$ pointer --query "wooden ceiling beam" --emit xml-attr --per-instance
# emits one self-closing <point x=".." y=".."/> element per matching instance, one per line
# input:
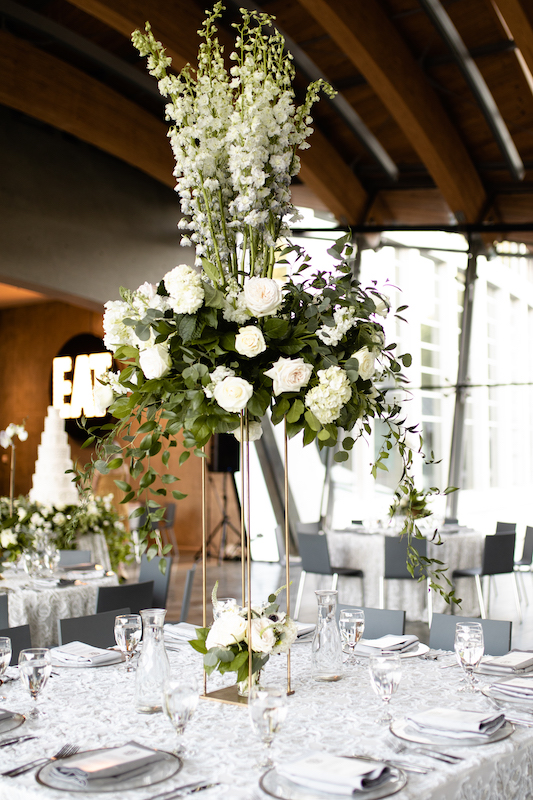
<point x="46" y="88"/>
<point x="518" y="15"/>
<point x="369" y="39"/>
<point x="175" y="24"/>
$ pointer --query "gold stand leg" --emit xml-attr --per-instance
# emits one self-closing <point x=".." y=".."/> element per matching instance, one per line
<point x="290" y="690"/>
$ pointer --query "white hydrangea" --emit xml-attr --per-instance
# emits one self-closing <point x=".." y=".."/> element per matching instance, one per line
<point x="235" y="309"/>
<point x="146" y="297"/>
<point x="116" y="333"/>
<point x="185" y="288"/>
<point x="217" y="376"/>
<point x="345" y="319"/>
<point x="326" y="400"/>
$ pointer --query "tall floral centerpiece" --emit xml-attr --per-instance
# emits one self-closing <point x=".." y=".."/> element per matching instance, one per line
<point x="252" y="326"/>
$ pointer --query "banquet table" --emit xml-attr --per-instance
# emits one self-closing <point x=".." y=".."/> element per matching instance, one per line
<point x="94" y="708"/>
<point x="366" y="551"/>
<point x="42" y="606"/>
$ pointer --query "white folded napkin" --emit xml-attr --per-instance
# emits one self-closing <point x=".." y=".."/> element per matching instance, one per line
<point x="516" y="687"/>
<point x="114" y="764"/>
<point x="325" y="773"/>
<point x="304" y="629"/>
<point x="78" y="654"/>
<point x="43" y="583"/>
<point x="456" y="724"/>
<point x="386" y="644"/>
<point x="514" y="662"/>
<point x="180" y="632"/>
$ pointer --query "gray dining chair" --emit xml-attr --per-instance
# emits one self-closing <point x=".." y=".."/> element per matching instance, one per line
<point x="498" y="559"/>
<point x="314" y="552"/>
<point x="71" y="558"/>
<point x="135" y="596"/>
<point x="496" y="633"/>
<point x="378" y="621"/>
<point x="4" y="613"/>
<point x="524" y="563"/>
<point x="150" y="571"/>
<point x="395" y="568"/>
<point x="20" y="640"/>
<point x="506" y="527"/>
<point x="98" y="630"/>
<point x="308" y="527"/>
<point x="280" y="541"/>
<point x="187" y="592"/>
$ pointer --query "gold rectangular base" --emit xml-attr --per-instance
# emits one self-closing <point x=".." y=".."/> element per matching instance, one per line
<point x="229" y="695"/>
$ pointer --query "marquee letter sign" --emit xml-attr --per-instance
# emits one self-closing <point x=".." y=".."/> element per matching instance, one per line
<point x="80" y="388"/>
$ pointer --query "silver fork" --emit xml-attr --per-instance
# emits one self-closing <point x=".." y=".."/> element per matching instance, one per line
<point x="448" y="758"/>
<point x="66" y="751"/>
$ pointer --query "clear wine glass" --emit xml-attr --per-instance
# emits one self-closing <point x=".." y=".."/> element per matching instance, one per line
<point x="180" y="698"/>
<point x="469" y="648"/>
<point x="5" y="658"/>
<point x="267" y="706"/>
<point x="224" y="604"/>
<point x="352" y="625"/>
<point x="128" y="631"/>
<point x="385" y="674"/>
<point x="35" y="666"/>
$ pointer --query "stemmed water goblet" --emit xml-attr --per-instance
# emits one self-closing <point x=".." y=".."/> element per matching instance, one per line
<point x="128" y="631"/>
<point x="385" y="674"/>
<point x="469" y="648"/>
<point x="267" y="706"/>
<point x="35" y="666"/>
<point x="352" y="625"/>
<point x="180" y="698"/>
<point x="5" y="658"/>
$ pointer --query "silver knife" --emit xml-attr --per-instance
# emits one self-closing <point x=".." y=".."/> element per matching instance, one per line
<point x="181" y="791"/>
<point x="15" y="739"/>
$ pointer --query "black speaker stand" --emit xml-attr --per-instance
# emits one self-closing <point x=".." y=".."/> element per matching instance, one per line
<point x="225" y="523"/>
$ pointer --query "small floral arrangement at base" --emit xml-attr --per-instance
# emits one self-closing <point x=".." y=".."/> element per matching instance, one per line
<point x="225" y="644"/>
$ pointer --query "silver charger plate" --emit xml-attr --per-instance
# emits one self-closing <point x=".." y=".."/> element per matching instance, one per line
<point x="13" y="722"/>
<point x="420" y="650"/>
<point x="402" y="729"/>
<point x="155" y="773"/>
<point x="282" y="788"/>
<point x="522" y="704"/>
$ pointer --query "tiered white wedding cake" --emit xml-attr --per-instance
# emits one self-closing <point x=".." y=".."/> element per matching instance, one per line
<point x="50" y="485"/>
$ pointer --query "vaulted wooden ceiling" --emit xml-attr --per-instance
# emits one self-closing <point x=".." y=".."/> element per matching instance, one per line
<point x="433" y="124"/>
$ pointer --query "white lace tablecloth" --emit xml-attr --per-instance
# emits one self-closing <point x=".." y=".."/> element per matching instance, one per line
<point x="94" y="708"/>
<point x="41" y="607"/>
<point x="367" y="552"/>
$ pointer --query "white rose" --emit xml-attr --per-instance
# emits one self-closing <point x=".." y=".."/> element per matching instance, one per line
<point x="366" y="361"/>
<point x="263" y="636"/>
<point x="155" y="361"/>
<point x="228" y="629"/>
<point x="289" y="374"/>
<point x="103" y="397"/>
<point x="262" y="296"/>
<point x="8" y="538"/>
<point x="255" y="431"/>
<point x="233" y="393"/>
<point x="382" y="306"/>
<point x="250" y="341"/>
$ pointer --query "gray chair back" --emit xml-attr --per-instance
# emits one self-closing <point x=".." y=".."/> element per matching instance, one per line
<point x="527" y="552"/>
<point x="378" y="621"/>
<point x="69" y="558"/>
<point x="396" y="557"/>
<point x="187" y="591"/>
<point x="4" y="615"/>
<point x="98" y="630"/>
<point x="496" y="633"/>
<point x="314" y="553"/>
<point x="135" y="596"/>
<point x="506" y="527"/>
<point x="308" y="527"/>
<point x="498" y="554"/>
<point x="20" y="640"/>
<point x="151" y="571"/>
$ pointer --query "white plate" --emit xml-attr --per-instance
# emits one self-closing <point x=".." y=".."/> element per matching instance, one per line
<point x="282" y="788"/>
<point x="155" y="773"/>
<point x="10" y="724"/>
<point x="403" y="730"/>
<point x="420" y="650"/>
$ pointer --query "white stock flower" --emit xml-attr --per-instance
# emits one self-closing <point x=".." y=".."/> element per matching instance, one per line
<point x="326" y="400"/>
<point x="382" y="306"/>
<point x="250" y="341"/>
<point x="116" y="333"/>
<point x="289" y="374"/>
<point x="232" y="394"/>
<point x="262" y="296"/>
<point x="263" y="636"/>
<point x="228" y="629"/>
<point x="185" y="288"/>
<point x="147" y="297"/>
<point x="344" y="319"/>
<point x="366" y="360"/>
<point x="155" y="361"/>
<point x="255" y="431"/>
<point x="8" y="537"/>
<point x="217" y="376"/>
